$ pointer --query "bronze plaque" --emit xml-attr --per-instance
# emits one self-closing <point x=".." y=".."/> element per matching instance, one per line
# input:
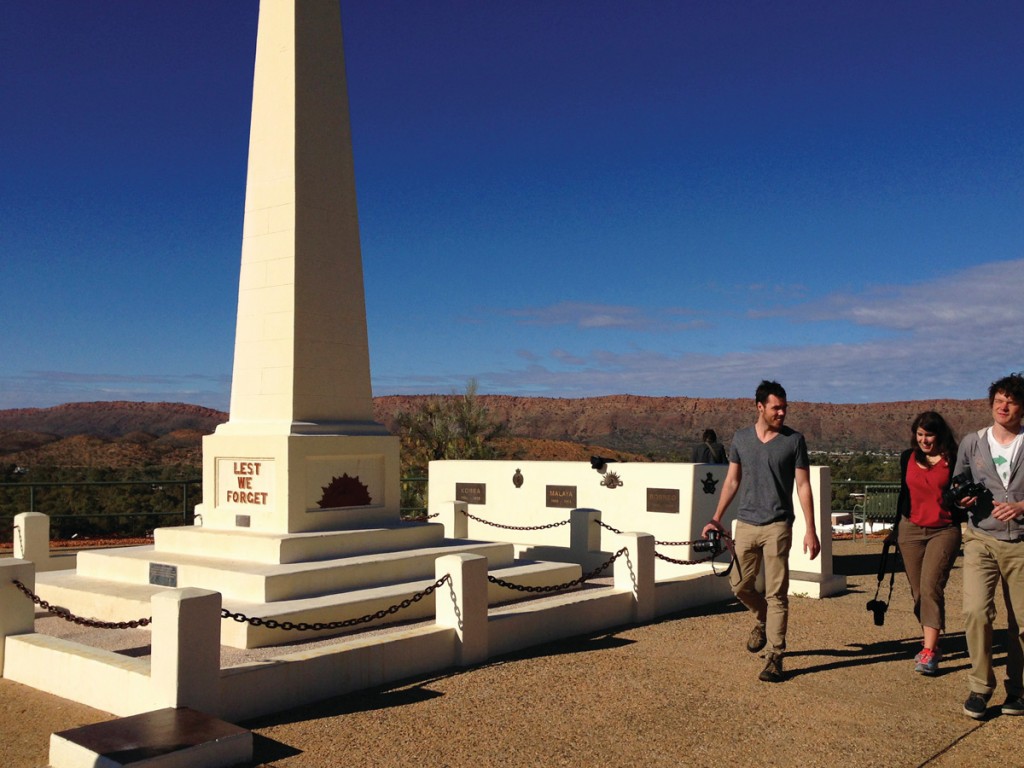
<point x="471" y="493"/>
<point x="242" y="521"/>
<point x="561" y="496"/>
<point x="163" y="575"/>
<point x="663" y="500"/>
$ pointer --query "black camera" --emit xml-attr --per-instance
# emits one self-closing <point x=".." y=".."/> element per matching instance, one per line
<point x="963" y="487"/>
<point x="712" y="544"/>
<point x="878" y="609"/>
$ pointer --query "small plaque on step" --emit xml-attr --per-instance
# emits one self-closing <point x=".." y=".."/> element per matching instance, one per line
<point x="162" y="575"/>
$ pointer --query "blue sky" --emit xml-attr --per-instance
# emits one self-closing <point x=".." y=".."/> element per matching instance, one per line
<point x="563" y="198"/>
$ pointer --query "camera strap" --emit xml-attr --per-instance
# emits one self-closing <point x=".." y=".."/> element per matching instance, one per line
<point x="731" y="546"/>
<point x="883" y="561"/>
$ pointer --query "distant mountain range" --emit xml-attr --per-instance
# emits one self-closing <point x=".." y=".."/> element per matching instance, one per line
<point x="123" y="434"/>
<point x="667" y="426"/>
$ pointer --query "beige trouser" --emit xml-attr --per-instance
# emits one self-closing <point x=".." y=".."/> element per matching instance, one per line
<point x="986" y="562"/>
<point x="768" y="544"/>
<point x="928" y="556"/>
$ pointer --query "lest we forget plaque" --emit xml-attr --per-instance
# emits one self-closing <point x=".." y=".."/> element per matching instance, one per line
<point x="663" y="500"/>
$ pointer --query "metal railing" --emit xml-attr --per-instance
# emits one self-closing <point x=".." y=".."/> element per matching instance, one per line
<point x="848" y="494"/>
<point x="68" y="518"/>
<point x="414" y="497"/>
<point x="83" y="508"/>
<point x="156" y="484"/>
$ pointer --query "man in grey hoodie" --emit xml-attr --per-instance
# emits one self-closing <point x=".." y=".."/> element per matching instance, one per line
<point x="994" y="545"/>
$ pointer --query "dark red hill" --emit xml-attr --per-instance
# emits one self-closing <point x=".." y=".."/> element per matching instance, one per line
<point x="122" y="434"/>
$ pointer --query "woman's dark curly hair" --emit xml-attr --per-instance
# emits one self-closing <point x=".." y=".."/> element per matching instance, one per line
<point x="1012" y="386"/>
<point x="932" y="423"/>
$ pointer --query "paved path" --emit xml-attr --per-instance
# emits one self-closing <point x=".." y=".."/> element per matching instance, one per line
<point x="679" y="692"/>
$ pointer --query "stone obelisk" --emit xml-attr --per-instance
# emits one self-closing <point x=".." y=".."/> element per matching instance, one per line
<point x="300" y="451"/>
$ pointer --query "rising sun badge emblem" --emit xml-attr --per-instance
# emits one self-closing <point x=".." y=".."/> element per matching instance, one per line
<point x="345" y="491"/>
<point x="611" y="480"/>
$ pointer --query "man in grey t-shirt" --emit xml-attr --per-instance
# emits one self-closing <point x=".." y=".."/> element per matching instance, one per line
<point x="769" y="458"/>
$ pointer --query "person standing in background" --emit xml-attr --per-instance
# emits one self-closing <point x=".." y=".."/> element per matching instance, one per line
<point x="710" y="451"/>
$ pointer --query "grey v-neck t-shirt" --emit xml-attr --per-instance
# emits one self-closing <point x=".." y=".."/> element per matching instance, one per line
<point x="768" y="474"/>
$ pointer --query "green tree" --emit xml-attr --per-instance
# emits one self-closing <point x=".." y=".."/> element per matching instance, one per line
<point x="454" y="427"/>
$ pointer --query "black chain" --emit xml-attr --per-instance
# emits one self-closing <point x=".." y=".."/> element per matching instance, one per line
<point x="516" y="527"/>
<point x="665" y="544"/>
<point x="558" y="587"/>
<point x="668" y="559"/>
<point x="303" y="626"/>
<point x="64" y="613"/>
<point x="608" y="527"/>
<point x="709" y="559"/>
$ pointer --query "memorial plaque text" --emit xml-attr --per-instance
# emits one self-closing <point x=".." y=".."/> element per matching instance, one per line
<point x="663" y="500"/>
<point x="561" y="496"/>
<point x="471" y="493"/>
<point x="163" y="575"/>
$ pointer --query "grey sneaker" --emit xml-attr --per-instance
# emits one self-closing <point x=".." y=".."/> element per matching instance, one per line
<point x="757" y="639"/>
<point x="1014" y="705"/>
<point x="772" y="672"/>
<point x="976" y="706"/>
<point x="928" y="661"/>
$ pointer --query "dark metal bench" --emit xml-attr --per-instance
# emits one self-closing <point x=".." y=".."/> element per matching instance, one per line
<point x="879" y="506"/>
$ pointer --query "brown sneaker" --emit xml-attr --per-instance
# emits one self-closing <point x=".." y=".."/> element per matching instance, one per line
<point x="757" y="639"/>
<point x="772" y="672"/>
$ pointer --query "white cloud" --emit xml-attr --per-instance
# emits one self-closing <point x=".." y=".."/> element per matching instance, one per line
<point x="948" y="336"/>
<point x="585" y="316"/>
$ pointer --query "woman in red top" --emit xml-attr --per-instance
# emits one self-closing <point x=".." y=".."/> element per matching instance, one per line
<point x="929" y="528"/>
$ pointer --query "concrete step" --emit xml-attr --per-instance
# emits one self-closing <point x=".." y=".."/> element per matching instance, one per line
<point x="93" y="598"/>
<point x="165" y="738"/>
<point x="357" y="604"/>
<point x="116" y="601"/>
<point x="268" y="583"/>
<point x="272" y="548"/>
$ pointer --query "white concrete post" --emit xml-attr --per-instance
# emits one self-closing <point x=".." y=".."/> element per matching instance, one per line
<point x="32" y="538"/>
<point x="455" y="521"/>
<point x="185" y="661"/>
<point x="17" y="612"/>
<point x="634" y="572"/>
<point x="462" y="605"/>
<point x="584" y="532"/>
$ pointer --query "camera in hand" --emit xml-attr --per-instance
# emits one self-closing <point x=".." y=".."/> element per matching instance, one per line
<point x="963" y="487"/>
<point x="712" y="544"/>
<point x="878" y="609"/>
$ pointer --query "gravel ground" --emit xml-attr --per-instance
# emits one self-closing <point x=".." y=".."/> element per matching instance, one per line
<point x="682" y="691"/>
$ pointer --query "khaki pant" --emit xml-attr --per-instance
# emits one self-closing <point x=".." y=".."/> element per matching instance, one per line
<point x="928" y="555"/>
<point x="768" y="544"/>
<point x="988" y="561"/>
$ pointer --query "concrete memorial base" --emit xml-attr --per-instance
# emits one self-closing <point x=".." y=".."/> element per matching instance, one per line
<point x="317" y="577"/>
<point x="294" y="483"/>
<point x="165" y="738"/>
<point x="671" y="501"/>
